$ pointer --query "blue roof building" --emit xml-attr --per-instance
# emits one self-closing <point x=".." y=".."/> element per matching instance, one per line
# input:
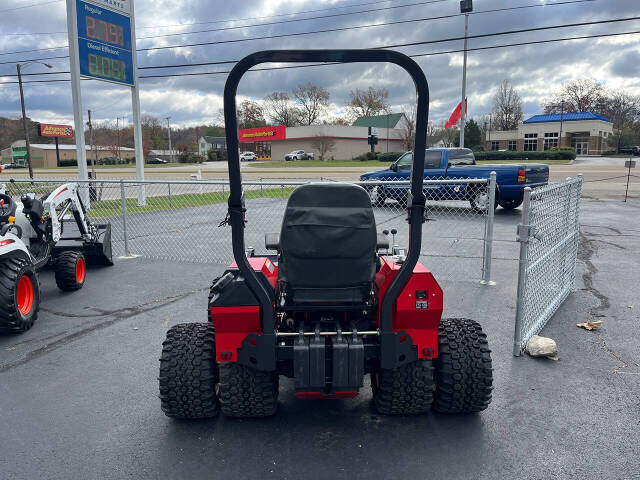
<point x="587" y="132"/>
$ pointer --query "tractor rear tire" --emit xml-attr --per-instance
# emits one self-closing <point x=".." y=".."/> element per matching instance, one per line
<point x="464" y="376"/>
<point x="188" y="372"/>
<point x="405" y="390"/>
<point x="247" y="392"/>
<point x="70" y="269"/>
<point x="19" y="295"/>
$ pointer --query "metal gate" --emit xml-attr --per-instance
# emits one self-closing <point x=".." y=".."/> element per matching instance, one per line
<point x="548" y="239"/>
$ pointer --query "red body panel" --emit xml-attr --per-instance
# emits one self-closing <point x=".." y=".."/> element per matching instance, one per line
<point x="233" y="324"/>
<point x="420" y="323"/>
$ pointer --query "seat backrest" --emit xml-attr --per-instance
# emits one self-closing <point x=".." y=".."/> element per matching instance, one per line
<point x="328" y="241"/>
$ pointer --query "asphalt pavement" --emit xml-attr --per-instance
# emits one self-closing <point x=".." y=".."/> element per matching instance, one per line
<point x="79" y="395"/>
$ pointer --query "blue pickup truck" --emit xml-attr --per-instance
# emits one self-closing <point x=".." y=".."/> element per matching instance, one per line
<point x="454" y="163"/>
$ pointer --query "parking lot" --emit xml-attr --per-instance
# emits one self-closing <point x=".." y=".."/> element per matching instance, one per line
<point x="79" y="390"/>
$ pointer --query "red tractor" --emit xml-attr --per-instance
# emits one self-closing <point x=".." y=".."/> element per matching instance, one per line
<point x="332" y="306"/>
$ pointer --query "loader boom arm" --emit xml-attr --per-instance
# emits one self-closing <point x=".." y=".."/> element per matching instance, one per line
<point x="62" y="200"/>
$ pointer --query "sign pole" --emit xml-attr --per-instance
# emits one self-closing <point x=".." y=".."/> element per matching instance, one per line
<point x="137" y="127"/>
<point x="76" y="93"/>
<point x="57" y="153"/>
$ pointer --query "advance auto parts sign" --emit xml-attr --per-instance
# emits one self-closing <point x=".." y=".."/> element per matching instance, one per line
<point x="49" y="130"/>
<point x="262" y="134"/>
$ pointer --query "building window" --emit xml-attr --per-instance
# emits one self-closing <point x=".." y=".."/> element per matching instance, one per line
<point x="550" y="140"/>
<point x="495" y="145"/>
<point x="511" y="145"/>
<point x="530" y="142"/>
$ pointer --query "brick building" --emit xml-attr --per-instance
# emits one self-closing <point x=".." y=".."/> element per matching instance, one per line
<point x="585" y="131"/>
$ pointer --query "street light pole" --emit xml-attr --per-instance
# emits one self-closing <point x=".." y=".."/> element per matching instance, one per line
<point x="24" y="115"/>
<point x="466" y="6"/>
<point x="24" y="122"/>
<point x="169" y="133"/>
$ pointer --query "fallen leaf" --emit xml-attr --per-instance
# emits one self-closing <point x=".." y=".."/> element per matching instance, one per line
<point x="589" y="325"/>
<point x="554" y="358"/>
<point x="629" y="306"/>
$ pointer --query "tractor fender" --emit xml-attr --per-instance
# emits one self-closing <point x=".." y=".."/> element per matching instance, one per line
<point x="15" y="246"/>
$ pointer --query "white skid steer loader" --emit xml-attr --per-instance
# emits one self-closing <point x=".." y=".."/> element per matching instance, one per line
<point x="35" y="233"/>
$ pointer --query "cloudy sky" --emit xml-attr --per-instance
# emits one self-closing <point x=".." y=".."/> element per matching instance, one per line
<point x="536" y="71"/>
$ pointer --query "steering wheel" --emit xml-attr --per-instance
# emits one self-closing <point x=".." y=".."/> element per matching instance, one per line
<point x="7" y="207"/>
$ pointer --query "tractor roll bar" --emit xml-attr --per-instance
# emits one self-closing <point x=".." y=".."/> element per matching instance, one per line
<point x="416" y="200"/>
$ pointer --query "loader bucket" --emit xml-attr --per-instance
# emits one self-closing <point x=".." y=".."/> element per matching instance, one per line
<point x="99" y="253"/>
<point x="96" y="253"/>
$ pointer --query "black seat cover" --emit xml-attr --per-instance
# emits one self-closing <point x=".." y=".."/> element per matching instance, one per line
<point x="328" y="243"/>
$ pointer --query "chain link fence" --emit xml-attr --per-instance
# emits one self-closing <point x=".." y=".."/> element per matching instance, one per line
<point x="548" y="238"/>
<point x="181" y="220"/>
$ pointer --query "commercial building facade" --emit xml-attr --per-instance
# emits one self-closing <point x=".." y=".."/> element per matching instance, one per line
<point x="585" y="131"/>
<point x="340" y="142"/>
<point x="43" y="155"/>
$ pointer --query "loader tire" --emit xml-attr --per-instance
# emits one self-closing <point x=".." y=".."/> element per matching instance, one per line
<point x="464" y="376"/>
<point x="247" y="392"/>
<point x="70" y="268"/>
<point x="405" y="390"/>
<point x="188" y="372"/>
<point x="19" y="295"/>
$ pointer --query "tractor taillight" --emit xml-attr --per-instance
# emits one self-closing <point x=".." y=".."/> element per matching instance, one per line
<point x="4" y="243"/>
<point x="522" y="177"/>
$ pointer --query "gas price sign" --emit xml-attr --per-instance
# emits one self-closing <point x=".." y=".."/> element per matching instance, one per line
<point x="104" y="44"/>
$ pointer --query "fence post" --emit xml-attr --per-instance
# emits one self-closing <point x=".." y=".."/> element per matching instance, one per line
<point x="488" y="239"/>
<point x="524" y="233"/>
<point x="124" y="218"/>
<point x="169" y="188"/>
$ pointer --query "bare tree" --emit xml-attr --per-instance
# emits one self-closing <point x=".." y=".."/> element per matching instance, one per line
<point x="507" y="107"/>
<point x="323" y="144"/>
<point x="250" y="115"/>
<point x="363" y="103"/>
<point x="623" y="109"/>
<point x="584" y="95"/>
<point x="337" y="121"/>
<point x="450" y="135"/>
<point x="313" y="101"/>
<point x="408" y="130"/>
<point x="280" y="111"/>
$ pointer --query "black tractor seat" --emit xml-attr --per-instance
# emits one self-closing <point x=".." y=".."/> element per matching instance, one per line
<point x="327" y="245"/>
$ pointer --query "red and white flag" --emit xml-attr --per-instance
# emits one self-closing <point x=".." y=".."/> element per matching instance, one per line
<point x="456" y="114"/>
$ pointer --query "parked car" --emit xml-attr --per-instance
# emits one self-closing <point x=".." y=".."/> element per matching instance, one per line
<point x="13" y="165"/>
<point x="248" y="157"/>
<point x="632" y="150"/>
<point x="443" y="163"/>
<point x="298" y="155"/>
<point x="156" y="161"/>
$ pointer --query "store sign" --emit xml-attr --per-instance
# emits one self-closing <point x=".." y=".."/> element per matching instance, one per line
<point x="123" y="6"/>
<point x="104" y="43"/>
<point x="49" y="130"/>
<point x="262" y="134"/>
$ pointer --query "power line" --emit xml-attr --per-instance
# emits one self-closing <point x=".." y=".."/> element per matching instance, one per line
<point x="183" y="74"/>
<point x="226" y="20"/>
<point x="271" y="23"/>
<point x="29" y="6"/>
<point x="266" y="37"/>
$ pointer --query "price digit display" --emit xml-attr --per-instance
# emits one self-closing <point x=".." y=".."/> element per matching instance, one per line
<point x="106" y="67"/>
<point x="104" y="31"/>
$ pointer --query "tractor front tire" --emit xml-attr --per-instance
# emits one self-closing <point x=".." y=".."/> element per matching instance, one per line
<point x="464" y="376"/>
<point x="70" y="269"/>
<point x="188" y="372"/>
<point x="405" y="390"/>
<point x="19" y="295"/>
<point x="247" y="392"/>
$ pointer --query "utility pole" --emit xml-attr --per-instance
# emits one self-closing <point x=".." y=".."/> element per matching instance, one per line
<point x="93" y="164"/>
<point x="24" y="123"/>
<point x="561" y="115"/>
<point x="466" y="6"/>
<point x="169" y="134"/>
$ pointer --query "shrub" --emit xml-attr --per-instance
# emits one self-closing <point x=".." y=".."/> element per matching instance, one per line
<point x="186" y="157"/>
<point x="608" y="152"/>
<point x="563" y="149"/>
<point x="371" y="155"/>
<point x="71" y="162"/>
<point x="514" y="155"/>
<point x="389" y="157"/>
